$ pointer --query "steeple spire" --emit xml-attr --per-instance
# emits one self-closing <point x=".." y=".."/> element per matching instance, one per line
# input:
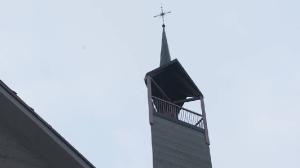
<point x="164" y="54"/>
<point x="169" y="88"/>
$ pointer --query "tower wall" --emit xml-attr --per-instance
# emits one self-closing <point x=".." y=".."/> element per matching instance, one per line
<point x="175" y="145"/>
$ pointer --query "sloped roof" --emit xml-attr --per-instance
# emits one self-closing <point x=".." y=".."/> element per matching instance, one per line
<point x="174" y="81"/>
<point x="37" y="133"/>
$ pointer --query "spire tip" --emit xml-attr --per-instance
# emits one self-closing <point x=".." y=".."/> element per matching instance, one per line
<point x="162" y="14"/>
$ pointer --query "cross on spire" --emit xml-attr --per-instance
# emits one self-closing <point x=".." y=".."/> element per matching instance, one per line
<point x="162" y="14"/>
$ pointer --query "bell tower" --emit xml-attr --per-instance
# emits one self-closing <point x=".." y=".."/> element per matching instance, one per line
<point x="179" y="135"/>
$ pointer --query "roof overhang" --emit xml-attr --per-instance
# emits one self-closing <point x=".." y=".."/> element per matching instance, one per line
<point x="173" y="80"/>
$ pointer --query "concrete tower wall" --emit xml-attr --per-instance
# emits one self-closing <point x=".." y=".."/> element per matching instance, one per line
<point x="176" y="145"/>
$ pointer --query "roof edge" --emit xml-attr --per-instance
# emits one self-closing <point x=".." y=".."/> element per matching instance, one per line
<point x="154" y="71"/>
<point x="48" y="126"/>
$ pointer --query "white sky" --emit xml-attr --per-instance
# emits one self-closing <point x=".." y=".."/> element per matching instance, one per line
<point x="80" y="64"/>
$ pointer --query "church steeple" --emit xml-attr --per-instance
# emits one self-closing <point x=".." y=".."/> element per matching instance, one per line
<point x="179" y="135"/>
<point x="164" y="53"/>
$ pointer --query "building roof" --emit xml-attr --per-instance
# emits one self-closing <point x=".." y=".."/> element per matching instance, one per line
<point x="36" y="133"/>
<point x="170" y="81"/>
<point x="174" y="81"/>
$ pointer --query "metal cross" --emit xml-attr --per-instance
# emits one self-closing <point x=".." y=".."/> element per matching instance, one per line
<point x="162" y="15"/>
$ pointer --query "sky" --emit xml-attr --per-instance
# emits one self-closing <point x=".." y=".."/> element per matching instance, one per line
<point x="81" y="63"/>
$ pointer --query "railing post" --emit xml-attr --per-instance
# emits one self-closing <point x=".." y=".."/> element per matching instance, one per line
<point x="150" y="104"/>
<point x="204" y="121"/>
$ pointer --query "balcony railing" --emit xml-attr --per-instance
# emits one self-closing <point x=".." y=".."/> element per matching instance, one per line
<point x="176" y="112"/>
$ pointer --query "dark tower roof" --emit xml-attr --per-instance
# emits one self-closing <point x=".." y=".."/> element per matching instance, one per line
<point x="171" y="81"/>
<point x="164" y="54"/>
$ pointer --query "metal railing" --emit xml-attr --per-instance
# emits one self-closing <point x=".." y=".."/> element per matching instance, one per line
<point x="174" y="111"/>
